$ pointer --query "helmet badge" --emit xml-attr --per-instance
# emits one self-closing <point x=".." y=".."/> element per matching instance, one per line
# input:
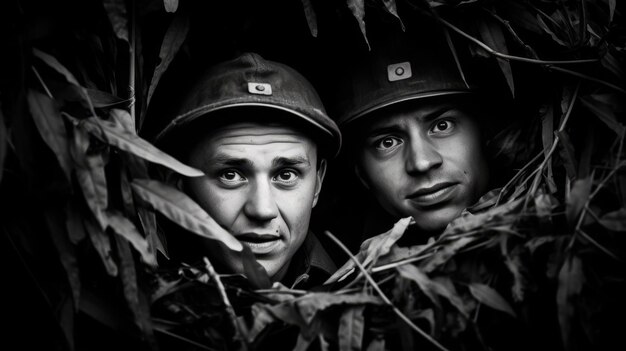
<point x="399" y="71"/>
<point x="259" y="88"/>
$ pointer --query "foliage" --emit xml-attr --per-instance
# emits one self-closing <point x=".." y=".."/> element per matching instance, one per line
<point x="538" y="262"/>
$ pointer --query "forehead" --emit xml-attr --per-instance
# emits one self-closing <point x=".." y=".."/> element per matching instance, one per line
<point x="420" y="112"/>
<point x="246" y="138"/>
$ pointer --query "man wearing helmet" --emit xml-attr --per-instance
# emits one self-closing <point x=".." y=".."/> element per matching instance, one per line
<point x="259" y="132"/>
<point x="414" y="129"/>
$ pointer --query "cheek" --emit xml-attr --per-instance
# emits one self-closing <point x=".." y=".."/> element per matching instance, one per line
<point x="383" y="176"/>
<point x="221" y="205"/>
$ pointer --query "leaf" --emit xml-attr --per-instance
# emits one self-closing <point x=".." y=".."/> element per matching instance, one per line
<point x="170" y="5"/>
<point x="113" y="134"/>
<point x="56" y="65"/>
<point x="615" y="221"/>
<point x="603" y="107"/>
<point x="66" y="250"/>
<point x="576" y="198"/>
<point x="311" y="17"/>
<point x="567" y="153"/>
<point x="612" y="4"/>
<point x="571" y="279"/>
<point x="172" y="41"/>
<point x="358" y="11"/>
<point x="468" y="222"/>
<point x="488" y="296"/>
<point x="181" y="209"/>
<point x="102" y="99"/>
<point x="4" y="141"/>
<point x="74" y="223"/>
<point x="493" y="36"/>
<point x="351" y="328"/>
<point x="442" y="256"/>
<point x="372" y="248"/>
<point x="309" y="305"/>
<point x="90" y="175"/>
<point x="101" y="242"/>
<point x="442" y="286"/>
<point x="425" y="284"/>
<point x="377" y="344"/>
<point x="390" y="6"/>
<point x="51" y="127"/>
<point x="118" y="16"/>
<point x="545" y="203"/>
<point x="125" y="228"/>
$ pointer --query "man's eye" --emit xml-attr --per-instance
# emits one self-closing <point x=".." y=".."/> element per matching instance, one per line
<point x="286" y="176"/>
<point x="387" y="143"/>
<point x="442" y="126"/>
<point x="231" y="176"/>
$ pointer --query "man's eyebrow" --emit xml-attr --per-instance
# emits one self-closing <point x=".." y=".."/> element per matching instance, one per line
<point x="290" y="161"/>
<point x="227" y="160"/>
<point x="391" y="127"/>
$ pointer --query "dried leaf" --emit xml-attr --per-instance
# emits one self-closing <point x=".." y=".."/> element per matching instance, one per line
<point x="351" y="329"/>
<point x="468" y="221"/>
<point x="615" y="221"/>
<point x="311" y="17"/>
<point x="488" y="296"/>
<point x="113" y="134"/>
<point x="612" y="4"/>
<point x="51" y="127"/>
<point x="170" y="5"/>
<point x="358" y="11"/>
<point x="124" y="227"/>
<point x="390" y="6"/>
<point x="571" y="279"/>
<point x="101" y="242"/>
<point x="576" y="198"/>
<point x="373" y="248"/>
<point x="181" y="209"/>
<point x="172" y="41"/>
<point x="493" y="36"/>
<point x="118" y="16"/>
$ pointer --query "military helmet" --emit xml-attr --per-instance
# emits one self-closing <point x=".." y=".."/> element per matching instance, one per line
<point x="252" y="81"/>
<point x="401" y="66"/>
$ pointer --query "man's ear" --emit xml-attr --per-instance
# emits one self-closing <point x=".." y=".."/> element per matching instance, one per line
<point x="357" y="171"/>
<point x="321" y="172"/>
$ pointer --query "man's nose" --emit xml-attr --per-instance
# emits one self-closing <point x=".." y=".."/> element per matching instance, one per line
<point x="422" y="155"/>
<point x="261" y="204"/>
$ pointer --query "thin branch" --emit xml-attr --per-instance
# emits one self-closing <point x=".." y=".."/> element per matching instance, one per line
<point x="586" y="77"/>
<point x="229" y="308"/>
<point x="45" y="87"/>
<point x="600" y="247"/>
<point x="383" y="296"/>
<point x="510" y="57"/>
<point x="548" y="157"/>
<point x="517" y="175"/>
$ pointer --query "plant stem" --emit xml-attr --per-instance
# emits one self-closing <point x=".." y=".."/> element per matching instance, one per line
<point x="229" y="308"/>
<point x="383" y="296"/>
<point x="45" y="87"/>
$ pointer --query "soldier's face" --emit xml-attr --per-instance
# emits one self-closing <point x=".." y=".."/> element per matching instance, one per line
<point x="426" y="161"/>
<point x="261" y="184"/>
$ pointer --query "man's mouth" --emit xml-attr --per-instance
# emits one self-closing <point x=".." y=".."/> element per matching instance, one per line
<point x="259" y="244"/>
<point x="433" y="195"/>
